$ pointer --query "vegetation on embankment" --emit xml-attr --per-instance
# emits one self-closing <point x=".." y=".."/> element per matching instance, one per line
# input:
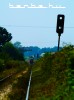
<point x="12" y="62"/>
<point x="13" y="67"/>
<point x="53" y="76"/>
<point x="18" y="79"/>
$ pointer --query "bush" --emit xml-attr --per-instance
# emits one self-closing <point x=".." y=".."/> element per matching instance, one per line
<point x="2" y="65"/>
<point x="12" y="52"/>
<point x="11" y="64"/>
<point x="52" y="76"/>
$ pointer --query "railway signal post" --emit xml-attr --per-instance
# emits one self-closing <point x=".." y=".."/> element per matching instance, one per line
<point x="60" y="27"/>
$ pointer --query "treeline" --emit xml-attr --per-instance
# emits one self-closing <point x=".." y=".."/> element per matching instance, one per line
<point x="36" y="51"/>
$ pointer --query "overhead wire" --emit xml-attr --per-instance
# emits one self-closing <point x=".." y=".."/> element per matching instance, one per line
<point x="24" y="26"/>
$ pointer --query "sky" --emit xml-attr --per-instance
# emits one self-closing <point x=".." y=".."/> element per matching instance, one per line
<point x="37" y="26"/>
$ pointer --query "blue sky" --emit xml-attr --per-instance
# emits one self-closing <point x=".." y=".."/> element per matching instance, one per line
<point x="37" y="27"/>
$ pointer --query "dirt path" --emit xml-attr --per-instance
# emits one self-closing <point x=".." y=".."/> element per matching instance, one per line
<point x="5" y="92"/>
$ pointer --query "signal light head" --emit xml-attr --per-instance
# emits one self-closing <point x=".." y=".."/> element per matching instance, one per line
<point x="60" y="23"/>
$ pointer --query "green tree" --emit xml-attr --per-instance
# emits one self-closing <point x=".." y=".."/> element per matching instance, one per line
<point x="13" y="52"/>
<point x="17" y="44"/>
<point x="5" y="36"/>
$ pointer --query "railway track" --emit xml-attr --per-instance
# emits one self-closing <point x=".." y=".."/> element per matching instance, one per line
<point x="28" y="88"/>
<point x="29" y="82"/>
<point x="5" y="78"/>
